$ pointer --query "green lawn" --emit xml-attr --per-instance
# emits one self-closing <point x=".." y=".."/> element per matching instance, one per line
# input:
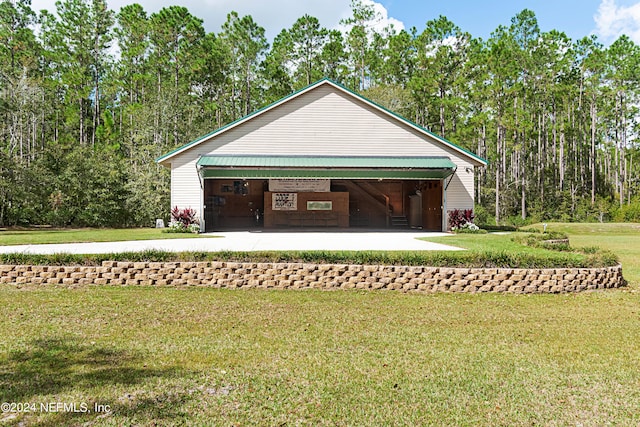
<point x="32" y="237"/>
<point x="205" y="356"/>
<point x="621" y="239"/>
<point x="198" y="356"/>
<point x="487" y="242"/>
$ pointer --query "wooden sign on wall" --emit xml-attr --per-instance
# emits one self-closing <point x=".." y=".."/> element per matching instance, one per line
<point x="300" y="185"/>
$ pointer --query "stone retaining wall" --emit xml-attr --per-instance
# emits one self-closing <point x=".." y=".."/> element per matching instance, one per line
<point x="319" y="276"/>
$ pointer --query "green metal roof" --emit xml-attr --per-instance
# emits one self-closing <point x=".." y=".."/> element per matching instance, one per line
<point x="327" y="162"/>
<point x="336" y="167"/>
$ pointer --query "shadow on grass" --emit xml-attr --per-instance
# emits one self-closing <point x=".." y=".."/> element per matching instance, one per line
<point x="65" y="366"/>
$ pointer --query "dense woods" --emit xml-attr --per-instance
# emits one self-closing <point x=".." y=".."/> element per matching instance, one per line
<point x="90" y="97"/>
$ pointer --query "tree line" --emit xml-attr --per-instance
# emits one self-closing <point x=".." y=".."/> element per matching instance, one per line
<point x="90" y="97"/>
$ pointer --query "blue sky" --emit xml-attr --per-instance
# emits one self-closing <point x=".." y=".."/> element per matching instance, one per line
<point x="577" y="18"/>
<point x="481" y="17"/>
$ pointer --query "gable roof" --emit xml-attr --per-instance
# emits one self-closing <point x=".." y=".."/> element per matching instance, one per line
<point x="466" y="153"/>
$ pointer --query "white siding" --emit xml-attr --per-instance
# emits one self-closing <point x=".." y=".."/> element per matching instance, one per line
<point x="323" y="121"/>
<point x="460" y="194"/>
<point x="185" y="183"/>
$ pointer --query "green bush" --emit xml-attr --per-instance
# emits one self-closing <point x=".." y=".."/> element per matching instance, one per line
<point x="530" y="230"/>
<point x="482" y="215"/>
<point x="539" y="240"/>
<point x="466" y="259"/>
<point x="628" y="212"/>
<point x="517" y="221"/>
<point x="466" y="230"/>
<point x="490" y="227"/>
<point x="179" y="227"/>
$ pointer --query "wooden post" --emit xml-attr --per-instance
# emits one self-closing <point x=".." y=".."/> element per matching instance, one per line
<point x="386" y="200"/>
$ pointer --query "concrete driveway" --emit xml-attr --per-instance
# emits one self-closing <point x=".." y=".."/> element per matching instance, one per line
<point x="253" y="241"/>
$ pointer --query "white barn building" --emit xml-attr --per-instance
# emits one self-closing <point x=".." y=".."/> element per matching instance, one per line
<point x="322" y="157"/>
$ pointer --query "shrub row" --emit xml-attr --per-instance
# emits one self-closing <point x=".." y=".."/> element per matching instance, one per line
<point x="541" y="240"/>
<point x="490" y="227"/>
<point x="465" y="259"/>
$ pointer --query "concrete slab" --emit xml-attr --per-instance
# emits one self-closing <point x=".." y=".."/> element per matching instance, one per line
<point x="253" y="241"/>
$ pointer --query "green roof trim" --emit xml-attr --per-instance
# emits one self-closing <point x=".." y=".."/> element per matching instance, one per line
<point x="306" y="88"/>
<point x="335" y="167"/>
<point x="325" y="173"/>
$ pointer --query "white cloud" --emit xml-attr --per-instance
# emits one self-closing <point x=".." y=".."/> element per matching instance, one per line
<point x="612" y="21"/>
<point x="385" y="21"/>
<point x="273" y="15"/>
<point x="382" y="21"/>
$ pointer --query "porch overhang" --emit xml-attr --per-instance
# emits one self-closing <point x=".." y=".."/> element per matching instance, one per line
<point x="333" y="167"/>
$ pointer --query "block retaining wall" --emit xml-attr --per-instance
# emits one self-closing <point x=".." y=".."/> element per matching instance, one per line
<point x="319" y="276"/>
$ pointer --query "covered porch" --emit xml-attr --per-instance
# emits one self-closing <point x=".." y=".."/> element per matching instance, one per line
<point x="247" y="191"/>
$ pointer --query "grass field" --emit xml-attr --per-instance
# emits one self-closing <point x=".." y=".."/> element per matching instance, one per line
<point x="32" y="237"/>
<point x="163" y="356"/>
<point x="621" y="239"/>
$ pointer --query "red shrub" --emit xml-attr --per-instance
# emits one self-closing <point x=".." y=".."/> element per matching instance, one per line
<point x="458" y="218"/>
<point x="186" y="216"/>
